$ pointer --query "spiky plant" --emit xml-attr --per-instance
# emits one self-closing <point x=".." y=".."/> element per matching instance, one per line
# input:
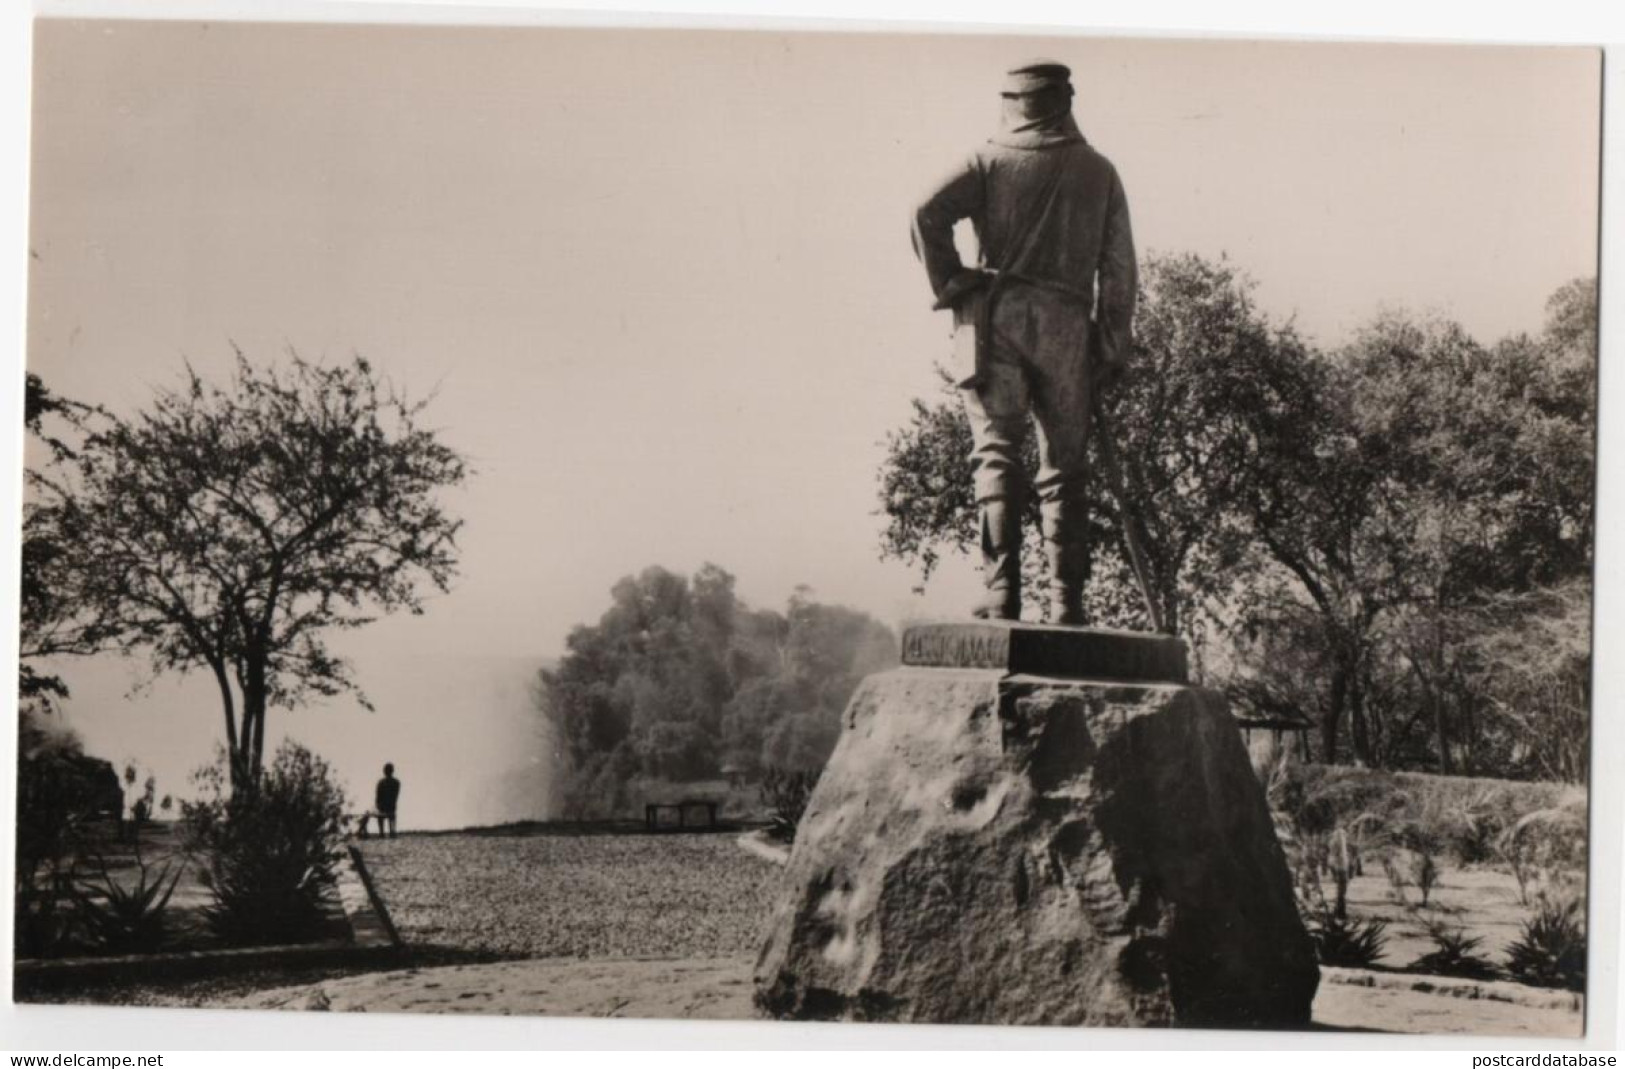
<point x="1348" y="941"/>
<point x="122" y="919"/>
<point x="1454" y="953"/>
<point x="1551" y="952"/>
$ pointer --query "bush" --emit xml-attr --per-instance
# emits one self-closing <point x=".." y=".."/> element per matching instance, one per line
<point x="1551" y="952"/>
<point x="141" y="806"/>
<point x="1541" y="847"/>
<point x="1346" y="940"/>
<point x="787" y="794"/>
<point x="46" y="924"/>
<point x="1474" y="836"/>
<point x="1398" y="880"/>
<point x="60" y="792"/>
<point x="1425" y="871"/>
<point x="269" y="848"/>
<point x="1467" y="813"/>
<point x="1454" y="954"/>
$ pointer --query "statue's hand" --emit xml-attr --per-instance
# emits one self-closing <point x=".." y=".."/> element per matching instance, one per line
<point x="959" y="288"/>
<point x="1108" y="373"/>
<point x="1106" y="368"/>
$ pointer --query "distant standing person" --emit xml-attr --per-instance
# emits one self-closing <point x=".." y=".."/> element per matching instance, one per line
<point x="385" y="798"/>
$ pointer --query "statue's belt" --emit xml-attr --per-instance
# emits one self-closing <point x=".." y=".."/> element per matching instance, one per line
<point x="997" y="281"/>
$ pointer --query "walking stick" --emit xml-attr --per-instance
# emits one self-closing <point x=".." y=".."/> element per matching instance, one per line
<point x="1125" y="511"/>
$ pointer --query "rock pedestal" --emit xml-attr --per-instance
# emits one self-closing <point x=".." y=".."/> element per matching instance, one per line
<point x="1084" y="846"/>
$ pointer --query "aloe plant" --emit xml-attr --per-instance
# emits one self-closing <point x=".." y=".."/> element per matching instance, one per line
<point x="1551" y="952"/>
<point x="1344" y="940"/>
<point x="124" y="919"/>
<point x="1455" y="953"/>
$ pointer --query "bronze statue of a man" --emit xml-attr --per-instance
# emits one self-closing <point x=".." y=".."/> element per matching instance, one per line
<point x="1039" y="326"/>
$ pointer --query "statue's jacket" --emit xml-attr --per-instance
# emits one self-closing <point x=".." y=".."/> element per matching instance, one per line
<point x="1049" y="211"/>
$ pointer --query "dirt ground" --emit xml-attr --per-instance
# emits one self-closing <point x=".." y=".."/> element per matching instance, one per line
<point x="1482" y="900"/>
<point x="720" y="988"/>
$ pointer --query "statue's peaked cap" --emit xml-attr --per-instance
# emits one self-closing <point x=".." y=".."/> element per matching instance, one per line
<point x="1038" y="75"/>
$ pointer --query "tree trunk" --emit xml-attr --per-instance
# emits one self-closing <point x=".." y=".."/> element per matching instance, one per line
<point x="247" y="740"/>
<point x="1441" y="734"/>
<point x="238" y="767"/>
<point x="254" y="709"/>
<point x="1469" y="724"/>
<point x="1334" y="714"/>
<point x="1436" y="691"/>
<point x="1359" y="733"/>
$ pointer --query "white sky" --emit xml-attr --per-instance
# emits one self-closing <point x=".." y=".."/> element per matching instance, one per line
<point x="664" y="285"/>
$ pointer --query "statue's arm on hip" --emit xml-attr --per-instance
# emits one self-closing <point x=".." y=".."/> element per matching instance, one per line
<point x="958" y="197"/>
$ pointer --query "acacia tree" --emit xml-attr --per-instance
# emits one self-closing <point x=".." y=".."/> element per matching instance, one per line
<point x="234" y="528"/>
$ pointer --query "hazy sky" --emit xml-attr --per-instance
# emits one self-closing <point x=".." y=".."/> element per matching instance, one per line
<point x="663" y="283"/>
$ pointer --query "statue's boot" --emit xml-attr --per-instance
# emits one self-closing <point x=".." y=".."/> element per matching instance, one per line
<point x="1067" y="550"/>
<point x="1001" y="560"/>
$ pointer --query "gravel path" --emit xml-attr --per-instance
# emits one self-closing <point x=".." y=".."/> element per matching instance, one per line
<point x="581" y="896"/>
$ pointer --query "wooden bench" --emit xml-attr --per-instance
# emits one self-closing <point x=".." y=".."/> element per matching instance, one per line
<point x="366" y="818"/>
<point x="688" y="815"/>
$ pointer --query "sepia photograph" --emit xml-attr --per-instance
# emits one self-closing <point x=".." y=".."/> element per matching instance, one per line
<point x="791" y="524"/>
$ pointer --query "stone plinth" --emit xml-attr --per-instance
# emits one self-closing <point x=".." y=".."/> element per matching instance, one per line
<point x="996" y="848"/>
<point x="1046" y="650"/>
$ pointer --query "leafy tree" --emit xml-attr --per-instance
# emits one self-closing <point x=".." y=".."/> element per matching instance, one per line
<point x="46" y="621"/>
<point x="1528" y="666"/>
<point x="234" y="528"/>
<point x="1324" y="528"/>
<point x="678" y="678"/>
<point x="789" y="717"/>
<point x="1424" y="473"/>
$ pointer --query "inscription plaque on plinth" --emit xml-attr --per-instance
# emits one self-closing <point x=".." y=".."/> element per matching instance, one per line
<point x="1046" y="650"/>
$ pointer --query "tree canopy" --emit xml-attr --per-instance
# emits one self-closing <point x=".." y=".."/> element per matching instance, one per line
<point x="680" y="681"/>
<point x="45" y="619"/>
<point x="235" y="527"/>
<point x="1341" y="534"/>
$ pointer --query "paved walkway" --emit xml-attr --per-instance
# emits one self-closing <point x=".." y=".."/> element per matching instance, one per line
<point x="715" y="989"/>
<point x="720" y="988"/>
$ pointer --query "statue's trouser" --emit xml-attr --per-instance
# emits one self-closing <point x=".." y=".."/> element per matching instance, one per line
<point x="1039" y="368"/>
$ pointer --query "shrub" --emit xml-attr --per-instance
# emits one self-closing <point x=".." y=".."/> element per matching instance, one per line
<point x="46" y="924"/>
<point x="1551" y="952"/>
<point x="1454" y="808"/>
<point x="1347" y="941"/>
<point x="1344" y="856"/>
<point x="1541" y="845"/>
<point x="786" y="794"/>
<point x="1425" y="871"/>
<point x="59" y="792"/>
<point x="1398" y="880"/>
<point x="143" y="805"/>
<point x="269" y="848"/>
<point x="1474" y="837"/>
<point x="126" y="920"/>
<point x="1307" y="856"/>
<point x="1454" y="954"/>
